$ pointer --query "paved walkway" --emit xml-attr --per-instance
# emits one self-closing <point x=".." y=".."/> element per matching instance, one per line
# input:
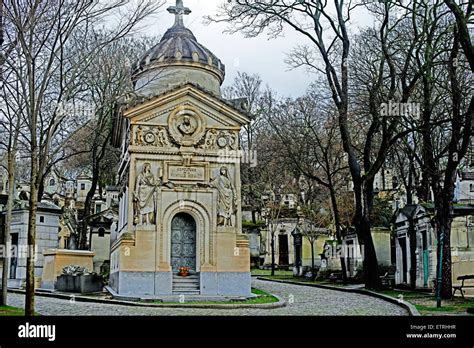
<point x="302" y="300"/>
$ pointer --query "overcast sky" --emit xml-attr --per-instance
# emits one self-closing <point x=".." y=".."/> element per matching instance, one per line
<point x="255" y="55"/>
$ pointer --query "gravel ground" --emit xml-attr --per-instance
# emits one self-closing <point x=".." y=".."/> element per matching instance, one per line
<point x="301" y="300"/>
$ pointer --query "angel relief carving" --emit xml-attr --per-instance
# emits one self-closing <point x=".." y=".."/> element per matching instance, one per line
<point x="139" y="136"/>
<point x="210" y="141"/>
<point x="163" y="138"/>
<point x="151" y="136"/>
<point x="218" y="140"/>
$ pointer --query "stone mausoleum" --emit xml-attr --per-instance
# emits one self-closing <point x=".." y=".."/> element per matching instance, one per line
<point x="180" y="202"/>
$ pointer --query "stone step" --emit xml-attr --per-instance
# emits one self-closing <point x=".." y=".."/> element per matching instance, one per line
<point x="188" y="277"/>
<point x="189" y="285"/>
<point x="186" y="292"/>
<point x="185" y="280"/>
<point x="186" y="285"/>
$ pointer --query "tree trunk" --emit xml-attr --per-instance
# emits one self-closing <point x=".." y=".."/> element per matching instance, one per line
<point x="312" y="260"/>
<point x="463" y="29"/>
<point x="40" y="193"/>
<point x="370" y="263"/>
<point x="337" y="223"/>
<point x="272" y="247"/>
<point x="412" y="236"/>
<point x="423" y="191"/>
<point x="87" y="211"/>
<point x="97" y="157"/>
<point x="30" y="262"/>
<point x="362" y="225"/>
<point x="409" y="186"/>
<point x="443" y="224"/>
<point x="6" y="259"/>
<point x="458" y="146"/>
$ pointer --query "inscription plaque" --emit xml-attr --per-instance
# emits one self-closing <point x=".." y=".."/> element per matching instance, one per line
<point x="186" y="173"/>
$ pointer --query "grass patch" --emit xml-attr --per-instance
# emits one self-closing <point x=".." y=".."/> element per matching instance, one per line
<point x="405" y="294"/>
<point x="305" y="280"/>
<point x="262" y="298"/>
<point x="425" y="303"/>
<point x="449" y="307"/>
<point x="6" y="311"/>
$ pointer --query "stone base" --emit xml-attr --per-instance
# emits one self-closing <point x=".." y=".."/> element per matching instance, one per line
<point x="175" y="298"/>
<point x="226" y="283"/>
<point x="145" y="284"/>
<point x="138" y="284"/>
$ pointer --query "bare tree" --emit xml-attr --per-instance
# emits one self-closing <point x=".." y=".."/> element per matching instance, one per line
<point x="276" y="182"/>
<point x="462" y="22"/>
<point x="325" y="26"/>
<point x="248" y="88"/>
<point x="50" y="75"/>
<point x="310" y="140"/>
<point x="108" y="80"/>
<point x="10" y="122"/>
<point x="445" y="142"/>
<point x="312" y="225"/>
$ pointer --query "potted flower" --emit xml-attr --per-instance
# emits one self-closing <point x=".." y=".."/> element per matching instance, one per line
<point x="183" y="271"/>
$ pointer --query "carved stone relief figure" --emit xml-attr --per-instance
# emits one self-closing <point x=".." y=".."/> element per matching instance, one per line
<point x="233" y="140"/>
<point x="163" y="139"/>
<point x="139" y="136"/>
<point x="210" y="140"/>
<point x="144" y="201"/>
<point x="226" y="203"/>
<point x="187" y="126"/>
<point x="216" y="140"/>
<point x="152" y="136"/>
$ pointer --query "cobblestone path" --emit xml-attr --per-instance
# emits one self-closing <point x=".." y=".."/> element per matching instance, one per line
<point x="301" y="300"/>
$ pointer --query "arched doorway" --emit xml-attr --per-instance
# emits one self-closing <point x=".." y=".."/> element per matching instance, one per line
<point x="183" y="242"/>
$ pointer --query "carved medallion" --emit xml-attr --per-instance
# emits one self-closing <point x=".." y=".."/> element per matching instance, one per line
<point x="222" y="141"/>
<point x="186" y="125"/>
<point x="150" y="138"/>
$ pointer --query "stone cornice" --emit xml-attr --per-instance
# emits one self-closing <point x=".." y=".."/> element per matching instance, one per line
<point x="187" y="90"/>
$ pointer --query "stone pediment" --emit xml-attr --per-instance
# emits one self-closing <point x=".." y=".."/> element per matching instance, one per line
<point x="210" y="111"/>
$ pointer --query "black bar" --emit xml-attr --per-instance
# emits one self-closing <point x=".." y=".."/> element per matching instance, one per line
<point x="243" y="331"/>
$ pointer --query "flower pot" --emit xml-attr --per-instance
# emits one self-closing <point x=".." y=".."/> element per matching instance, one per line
<point x="182" y="274"/>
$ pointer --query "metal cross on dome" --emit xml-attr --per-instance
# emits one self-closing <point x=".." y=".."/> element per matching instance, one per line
<point x="179" y="10"/>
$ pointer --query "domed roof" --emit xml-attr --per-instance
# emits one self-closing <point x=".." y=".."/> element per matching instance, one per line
<point x="179" y="46"/>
